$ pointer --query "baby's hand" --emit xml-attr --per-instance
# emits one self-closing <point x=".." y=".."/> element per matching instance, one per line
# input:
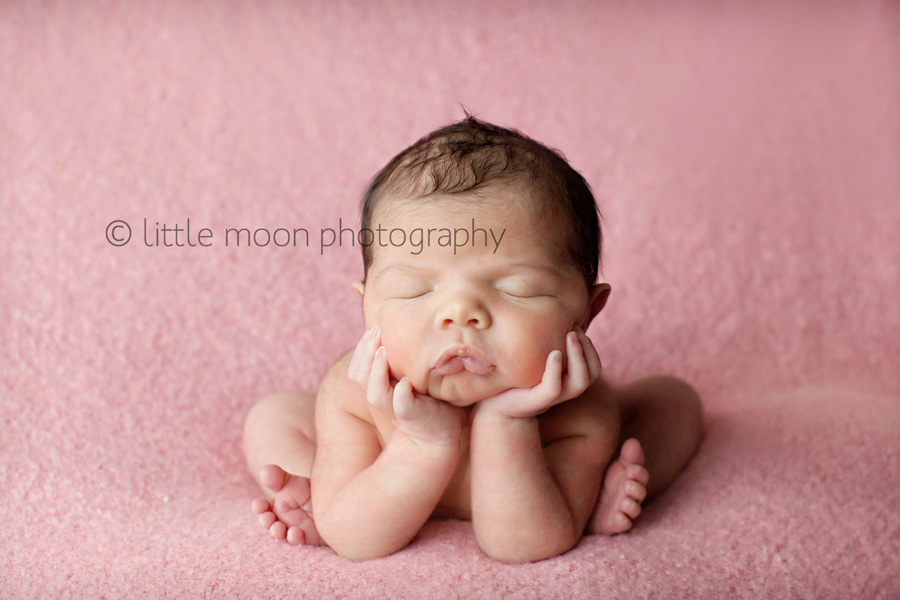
<point x="422" y="418"/>
<point x="555" y="386"/>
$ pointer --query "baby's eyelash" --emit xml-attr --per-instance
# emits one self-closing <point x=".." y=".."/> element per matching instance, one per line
<point x="413" y="295"/>
<point x="515" y="294"/>
<point x="519" y="287"/>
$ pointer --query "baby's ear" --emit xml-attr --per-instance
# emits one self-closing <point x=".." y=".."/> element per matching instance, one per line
<point x="360" y="287"/>
<point x="599" y="296"/>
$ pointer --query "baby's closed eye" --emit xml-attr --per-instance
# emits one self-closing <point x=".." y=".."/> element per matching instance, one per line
<point x="408" y="289"/>
<point x="519" y="288"/>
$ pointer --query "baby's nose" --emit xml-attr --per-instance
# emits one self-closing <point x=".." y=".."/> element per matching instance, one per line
<point x="463" y="310"/>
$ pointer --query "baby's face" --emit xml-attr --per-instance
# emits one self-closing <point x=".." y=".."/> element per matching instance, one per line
<point x="465" y="327"/>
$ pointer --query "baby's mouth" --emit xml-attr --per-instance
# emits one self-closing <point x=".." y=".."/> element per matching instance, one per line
<point x="461" y="358"/>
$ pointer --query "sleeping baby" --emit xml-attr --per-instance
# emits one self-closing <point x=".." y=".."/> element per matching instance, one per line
<point x="474" y="392"/>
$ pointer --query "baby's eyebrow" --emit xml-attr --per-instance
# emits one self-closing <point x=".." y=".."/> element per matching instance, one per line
<point x="535" y="267"/>
<point x="402" y="267"/>
<point x="501" y="272"/>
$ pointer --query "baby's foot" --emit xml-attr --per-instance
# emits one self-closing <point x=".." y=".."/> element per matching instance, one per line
<point x="289" y="515"/>
<point x="624" y="488"/>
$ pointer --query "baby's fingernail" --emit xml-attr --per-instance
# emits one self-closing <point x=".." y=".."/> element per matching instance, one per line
<point x="556" y="355"/>
<point x="375" y="331"/>
<point x="380" y="352"/>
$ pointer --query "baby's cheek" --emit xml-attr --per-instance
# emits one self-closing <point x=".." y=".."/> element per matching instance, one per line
<point x="397" y="359"/>
<point x="525" y="367"/>
<point x="394" y="343"/>
<point x="403" y="362"/>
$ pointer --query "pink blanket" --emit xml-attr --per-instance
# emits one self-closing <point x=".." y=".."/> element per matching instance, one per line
<point x="747" y="160"/>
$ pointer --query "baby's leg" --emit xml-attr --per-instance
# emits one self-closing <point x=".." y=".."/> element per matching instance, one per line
<point x="666" y="417"/>
<point x="279" y="446"/>
<point x="662" y="424"/>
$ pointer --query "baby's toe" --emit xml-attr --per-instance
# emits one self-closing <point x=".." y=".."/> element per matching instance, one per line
<point x="630" y="507"/>
<point x="273" y="477"/>
<point x="278" y="530"/>
<point x="260" y="506"/>
<point x="295" y="536"/>
<point x="311" y="535"/>
<point x="619" y="523"/>
<point x="266" y="519"/>
<point x="631" y="452"/>
<point x="638" y="473"/>
<point x="636" y="491"/>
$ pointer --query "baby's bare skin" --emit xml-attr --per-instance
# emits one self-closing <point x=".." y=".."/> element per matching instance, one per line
<point x="664" y="408"/>
<point x="286" y="511"/>
<point x="288" y="515"/>
<point x="474" y="394"/>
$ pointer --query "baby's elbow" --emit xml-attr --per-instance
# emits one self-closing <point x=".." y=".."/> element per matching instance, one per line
<point x="358" y="553"/>
<point x="355" y="550"/>
<point x="520" y="555"/>
<point x="350" y="544"/>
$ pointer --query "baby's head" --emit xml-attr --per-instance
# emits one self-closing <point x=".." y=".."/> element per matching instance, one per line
<point x="473" y="156"/>
<point x="466" y="321"/>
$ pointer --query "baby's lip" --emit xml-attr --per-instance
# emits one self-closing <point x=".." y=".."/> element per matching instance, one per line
<point x="458" y="358"/>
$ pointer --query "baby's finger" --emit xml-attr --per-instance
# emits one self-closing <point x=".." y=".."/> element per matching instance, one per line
<point x="551" y="383"/>
<point x="378" y="389"/>
<point x="578" y="376"/>
<point x="404" y="401"/>
<point x="590" y="354"/>
<point x="422" y="418"/>
<point x="363" y="355"/>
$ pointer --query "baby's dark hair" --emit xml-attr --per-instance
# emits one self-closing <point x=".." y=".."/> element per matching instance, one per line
<point x="472" y="155"/>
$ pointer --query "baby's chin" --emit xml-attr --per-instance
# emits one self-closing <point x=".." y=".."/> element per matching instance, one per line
<point x="465" y="389"/>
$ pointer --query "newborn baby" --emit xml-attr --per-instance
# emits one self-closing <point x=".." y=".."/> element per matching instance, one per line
<point x="474" y="393"/>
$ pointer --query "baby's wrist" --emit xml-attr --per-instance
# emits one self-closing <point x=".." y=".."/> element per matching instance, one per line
<point x="488" y="412"/>
<point x="437" y="449"/>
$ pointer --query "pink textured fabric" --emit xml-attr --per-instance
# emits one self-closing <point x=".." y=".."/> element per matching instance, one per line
<point x="747" y="160"/>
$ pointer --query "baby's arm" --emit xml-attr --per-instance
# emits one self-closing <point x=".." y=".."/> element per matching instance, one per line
<point x="531" y="502"/>
<point x="368" y="501"/>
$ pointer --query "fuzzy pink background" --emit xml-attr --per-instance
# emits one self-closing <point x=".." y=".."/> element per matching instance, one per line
<point x="747" y="160"/>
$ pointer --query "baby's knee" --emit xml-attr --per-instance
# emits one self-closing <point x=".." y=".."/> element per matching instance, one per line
<point x="295" y="409"/>
<point x="666" y="397"/>
<point x="683" y="402"/>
